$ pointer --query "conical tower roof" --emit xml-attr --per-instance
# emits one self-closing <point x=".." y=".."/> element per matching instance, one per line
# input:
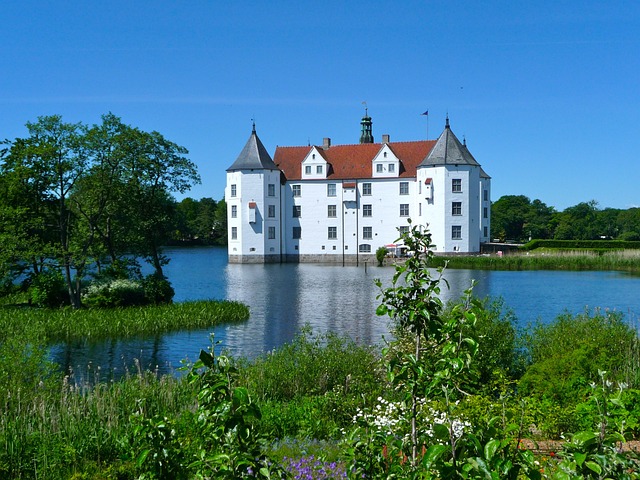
<point x="253" y="156"/>
<point x="449" y="151"/>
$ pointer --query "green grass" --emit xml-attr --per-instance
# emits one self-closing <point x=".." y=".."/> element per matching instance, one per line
<point x="547" y="259"/>
<point x="65" y="324"/>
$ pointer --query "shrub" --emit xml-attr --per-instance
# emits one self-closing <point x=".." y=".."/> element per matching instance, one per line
<point x="381" y="253"/>
<point x="314" y="365"/>
<point x="48" y="289"/>
<point x="157" y="289"/>
<point x="567" y="354"/>
<point x="115" y="293"/>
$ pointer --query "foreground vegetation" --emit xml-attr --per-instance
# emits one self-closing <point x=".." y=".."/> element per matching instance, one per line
<point x="459" y="393"/>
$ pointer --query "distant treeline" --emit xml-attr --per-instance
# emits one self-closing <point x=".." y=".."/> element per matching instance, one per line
<point x="517" y="218"/>
<point x="199" y="222"/>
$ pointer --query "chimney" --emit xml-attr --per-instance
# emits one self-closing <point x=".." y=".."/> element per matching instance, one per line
<point x="385" y="138"/>
<point x="326" y="143"/>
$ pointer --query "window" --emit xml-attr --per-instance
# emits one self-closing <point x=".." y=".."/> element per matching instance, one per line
<point x="392" y="168"/>
<point x="403" y="229"/>
<point x="297" y="190"/>
<point x="331" y="190"/>
<point x="485" y="212"/>
<point x="233" y="190"/>
<point x="234" y="211"/>
<point x="297" y="233"/>
<point x="234" y="233"/>
<point x="486" y="231"/>
<point x="366" y="189"/>
<point x="331" y="211"/>
<point x="272" y="233"/>
<point x="379" y="168"/>
<point x="271" y="190"/>
<point x="367" y="233"/>
<point x="319" y="169"/>
<point x="485" y="195"/>
<point x="365" y="248"/>
<point x="332" y="233"/>
<point x="456" y="208"/>
<point x="297" y="211"/>
<point x="456" y="185"/>
<point x="404" y="209"/>
<point x="366" y="210"/>
<point x="307" y="170"/>
<point x="404" y="188"/>
<point x="271" y="211"/>
<point x="456" y="232"/>
<point x="384" y="154"/>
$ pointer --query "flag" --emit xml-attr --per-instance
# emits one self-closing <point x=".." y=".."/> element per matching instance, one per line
<point x="426" y="113"/>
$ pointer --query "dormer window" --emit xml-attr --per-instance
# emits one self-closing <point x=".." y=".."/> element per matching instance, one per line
<point x="313" y="155"/>
<point x="307" y="169"/>
<point x="379" y="168"/>
<point x="384" y="154"/>
<point x="319" y="169"/>
<point x="392" y="167"/>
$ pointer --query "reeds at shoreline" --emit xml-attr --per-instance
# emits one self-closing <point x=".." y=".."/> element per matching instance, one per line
<point x="620" y="260"/>
<point x="63" y="324"/>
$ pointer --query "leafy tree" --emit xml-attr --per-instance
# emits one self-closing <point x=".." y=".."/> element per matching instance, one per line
<point x="629" y="224"/>
<point x="578" y="222"/>
<point x="220" y="223"/>
<point x="73" y="195"/>
<point x="515" y="217"/>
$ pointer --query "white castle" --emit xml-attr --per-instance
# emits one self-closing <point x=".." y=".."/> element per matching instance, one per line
<point x="340" y="203"/>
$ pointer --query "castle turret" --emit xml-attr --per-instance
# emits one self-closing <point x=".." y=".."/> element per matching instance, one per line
<point x="366" y="135"/>
<point x="253" y="205"/>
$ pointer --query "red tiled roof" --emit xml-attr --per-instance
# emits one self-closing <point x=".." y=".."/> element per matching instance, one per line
<point x="353" y="161"/>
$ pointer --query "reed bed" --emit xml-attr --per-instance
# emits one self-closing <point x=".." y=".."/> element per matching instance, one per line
<point x="64" y="427"/>
<point x="54" y="325"/>
<point x="621" y="260"/>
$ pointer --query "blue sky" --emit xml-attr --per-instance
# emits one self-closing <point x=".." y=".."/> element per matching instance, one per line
<point x="546" y="93"/>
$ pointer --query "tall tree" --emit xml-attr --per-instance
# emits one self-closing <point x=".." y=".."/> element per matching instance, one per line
<point x="72" y="195"/>
<point x="47" y="165"/>
<point x="154" y="168"/>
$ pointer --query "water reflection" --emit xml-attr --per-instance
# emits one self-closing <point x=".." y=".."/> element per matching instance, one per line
<point x="283" y="298"/>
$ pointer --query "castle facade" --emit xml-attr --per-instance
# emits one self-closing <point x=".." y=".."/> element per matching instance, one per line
<point x="340" y="203"/>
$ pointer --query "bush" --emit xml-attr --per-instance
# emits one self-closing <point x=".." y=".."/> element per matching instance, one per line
<point x="381" y="253"/>
<point x="48" y="289"/>
<point x="115" y="293"/>
<point x="314" y="365"/>
<point x="567" y="355"/>
<point x="157" y="289"/>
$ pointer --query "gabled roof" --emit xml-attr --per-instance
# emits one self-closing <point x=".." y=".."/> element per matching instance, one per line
<point x="353" y="161"/>
<point x="449" y="151"/>
<point x="253" y="156"/>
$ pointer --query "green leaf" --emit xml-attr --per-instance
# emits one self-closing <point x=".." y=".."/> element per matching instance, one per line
<point x="490" y="448"/>
<point x="579" y="458"/>
<point x="433" y="453"/>
<point x="206" y="358"/>
<point x="593" y="466"/>
<point x="142" y="457"/>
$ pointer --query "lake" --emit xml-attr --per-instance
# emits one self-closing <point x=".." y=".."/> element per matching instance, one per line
<point x="284" y="297"/>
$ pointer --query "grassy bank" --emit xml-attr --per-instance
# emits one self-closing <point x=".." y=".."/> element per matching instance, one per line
<point x="547" y="259"/>
<point x="63" y="324"/>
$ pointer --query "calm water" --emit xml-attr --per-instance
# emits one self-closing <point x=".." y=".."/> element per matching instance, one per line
<point x="283" y="298"/>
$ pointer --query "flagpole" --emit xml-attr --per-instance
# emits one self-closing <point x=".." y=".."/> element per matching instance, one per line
<point x="427" y="114"/>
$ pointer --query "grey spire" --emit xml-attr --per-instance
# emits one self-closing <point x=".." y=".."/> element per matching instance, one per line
<point x="253" y="156"/>
<point x="449" y="151"/>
